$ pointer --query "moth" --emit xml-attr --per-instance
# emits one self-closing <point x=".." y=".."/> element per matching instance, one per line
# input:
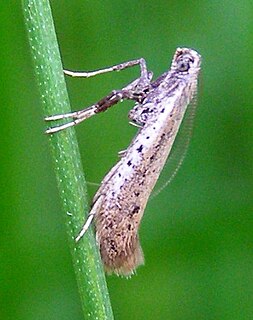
<point x="118" y="205"/>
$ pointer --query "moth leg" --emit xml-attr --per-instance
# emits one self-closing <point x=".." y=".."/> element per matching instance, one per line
<point x="122" y="153"/>
<point x="79" y="116"/>
<point x="138" y="125"/>
<point x="94" y="210"/>
<point x="136" y="91"/>
<point x="121" y="66"/>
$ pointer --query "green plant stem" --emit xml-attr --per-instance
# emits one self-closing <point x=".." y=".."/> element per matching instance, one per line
<point x="48" y="68"/>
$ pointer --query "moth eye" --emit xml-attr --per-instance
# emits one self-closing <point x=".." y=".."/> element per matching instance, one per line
<point x="183" y="65"/>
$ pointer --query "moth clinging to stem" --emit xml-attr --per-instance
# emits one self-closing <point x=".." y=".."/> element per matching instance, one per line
<point x="119" y="204"/>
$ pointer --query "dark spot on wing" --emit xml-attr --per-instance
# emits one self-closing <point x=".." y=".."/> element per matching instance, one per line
<point x="129" y="163"/>
<point x="152" y="158"/>
<point x="136" y="209"/>
<point x="140" y="148"/>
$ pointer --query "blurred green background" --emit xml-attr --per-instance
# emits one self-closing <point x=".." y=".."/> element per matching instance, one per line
<point x="197" y="235"/>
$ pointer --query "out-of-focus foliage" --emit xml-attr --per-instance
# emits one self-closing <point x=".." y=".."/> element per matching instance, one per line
<point x="197" y="235"/>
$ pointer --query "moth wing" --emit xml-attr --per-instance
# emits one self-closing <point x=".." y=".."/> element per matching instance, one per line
<point x="179" y="150"/>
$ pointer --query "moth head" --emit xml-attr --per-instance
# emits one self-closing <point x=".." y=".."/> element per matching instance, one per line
<point x="186" y="61"/>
